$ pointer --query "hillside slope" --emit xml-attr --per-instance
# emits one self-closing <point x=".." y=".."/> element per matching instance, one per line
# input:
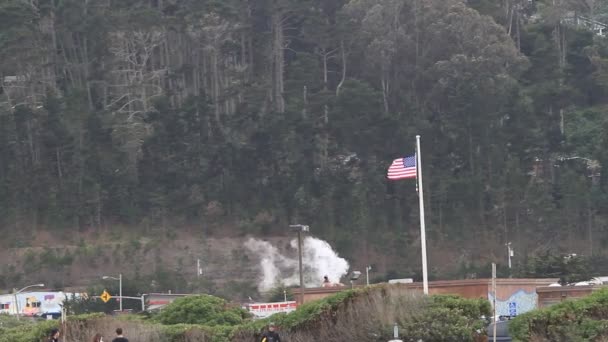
<point x="131" y="129"/>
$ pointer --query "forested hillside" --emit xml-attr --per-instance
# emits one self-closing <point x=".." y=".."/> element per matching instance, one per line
<point x="240" y="116"/>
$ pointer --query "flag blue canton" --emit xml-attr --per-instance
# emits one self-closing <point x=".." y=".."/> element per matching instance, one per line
<point x="409" y="161"/>
<point x="403" y="168"/>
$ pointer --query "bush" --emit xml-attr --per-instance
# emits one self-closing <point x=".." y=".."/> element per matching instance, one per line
<point x="572" y="320"/>
<point x="369" y="314"/>
<point x="452" y="316"/>
<point x="30" y="332"/>
<point x="353" y="315"/>
<point x="203" y="309"/>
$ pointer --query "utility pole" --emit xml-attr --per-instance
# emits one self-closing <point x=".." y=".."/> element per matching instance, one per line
<point x="300" y="228"/>
<point x="300" y="265"/>
<point x="494" y="299"/>
<point x="120" y="290"/>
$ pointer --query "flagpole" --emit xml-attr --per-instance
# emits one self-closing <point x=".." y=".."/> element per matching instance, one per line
<point x="425" y="279"/>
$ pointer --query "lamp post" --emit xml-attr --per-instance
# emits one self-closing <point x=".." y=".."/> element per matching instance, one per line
<point x="509" y="253"/>
<point x="119" y="287"/>
<point x="354" y="276"/>
<point x="300" y="228"/>
<point x="18" y="292"/>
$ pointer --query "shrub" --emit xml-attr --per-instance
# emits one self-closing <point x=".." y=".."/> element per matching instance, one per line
<point x="369" y="314"/>
<point x="572" y="320"/>
<point x="31" y="332"/>
<point x="203" y="309"/>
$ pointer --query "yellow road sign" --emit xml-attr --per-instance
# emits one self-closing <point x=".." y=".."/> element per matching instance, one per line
<point x="105" y="296"/>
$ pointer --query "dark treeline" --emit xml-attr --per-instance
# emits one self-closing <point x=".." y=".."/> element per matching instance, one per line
<point x="258" y="113"/>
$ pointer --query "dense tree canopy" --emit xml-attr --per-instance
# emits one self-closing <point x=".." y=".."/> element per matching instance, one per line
<point x="257" y="113"/>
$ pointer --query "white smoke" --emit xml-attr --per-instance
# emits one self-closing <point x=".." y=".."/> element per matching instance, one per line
<point x="271" y="263"/>
<point x="318" y="260"/>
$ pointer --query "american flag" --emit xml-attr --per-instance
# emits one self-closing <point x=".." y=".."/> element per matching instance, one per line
<point x="402" y="168"/>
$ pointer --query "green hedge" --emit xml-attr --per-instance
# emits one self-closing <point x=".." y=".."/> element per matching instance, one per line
<point x="440" y="316"/>
<point x="583" y="319"/>
<point x="202" y="309"/>
<point x="29" y="332"/>
<point x="435" y="317"/>
<point x="455" y="317"/>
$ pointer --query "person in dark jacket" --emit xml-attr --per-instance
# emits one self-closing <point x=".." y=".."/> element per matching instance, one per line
<point x="119" y="336"/>
<point x="270" y="335"/>
<point x="54" y="336"/>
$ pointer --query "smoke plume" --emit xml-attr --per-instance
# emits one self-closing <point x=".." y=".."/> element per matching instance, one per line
<point x="318" y="260"/>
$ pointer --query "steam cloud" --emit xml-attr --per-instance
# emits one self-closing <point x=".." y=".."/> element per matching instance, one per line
<point x="318" y="259"/>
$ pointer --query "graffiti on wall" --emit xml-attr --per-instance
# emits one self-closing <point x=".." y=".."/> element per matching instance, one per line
<point x="33" y="303"/>
<point x="518" y="303"/>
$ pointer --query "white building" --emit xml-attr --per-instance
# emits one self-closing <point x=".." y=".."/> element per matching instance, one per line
<point x="34" y="303"/>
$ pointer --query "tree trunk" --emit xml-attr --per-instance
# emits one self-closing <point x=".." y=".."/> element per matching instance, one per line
<point x="305" y="103"/>
<point x="590" y="225"/>
<point x="325" y="54"/>
<point x="278" y="62"/>
<point x="59" y="171"/>
<point x="385" y="90"/>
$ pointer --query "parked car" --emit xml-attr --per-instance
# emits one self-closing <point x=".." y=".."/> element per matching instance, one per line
<point x="45" y="315"/>
<point x="502" y="331"/>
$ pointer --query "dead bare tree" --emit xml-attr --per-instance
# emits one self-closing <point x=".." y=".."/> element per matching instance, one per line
<point x="135" y="85"/>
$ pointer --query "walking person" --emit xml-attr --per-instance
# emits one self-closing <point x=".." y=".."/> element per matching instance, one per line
<point x="271" y="335"/>
<point x="54" y="335"/>
<point x="119" y="336"/>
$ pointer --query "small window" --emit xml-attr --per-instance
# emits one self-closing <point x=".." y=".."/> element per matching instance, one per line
<point x="33" y="304"/>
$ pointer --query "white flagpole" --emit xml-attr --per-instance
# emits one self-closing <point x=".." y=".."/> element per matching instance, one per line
<point x="425" y="279"/>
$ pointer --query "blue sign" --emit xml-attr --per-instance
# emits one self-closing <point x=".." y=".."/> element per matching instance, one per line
<point x="512" y="309"/>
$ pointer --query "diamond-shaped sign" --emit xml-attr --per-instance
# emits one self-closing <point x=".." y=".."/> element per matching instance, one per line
<point x="105" y="296"/>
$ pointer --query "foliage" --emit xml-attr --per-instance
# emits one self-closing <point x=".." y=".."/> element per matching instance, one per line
<point x="471" y="308"/>
<point x="360" y="312"/>
<point x="8" y="321"/>
<point x="280" y="293"/>
<point x="352" y="315"/>
<point x="572" y="320"/>
<point x="201" y="309"/>
<point x="548" y="264"/>
<point x="32" y="332"/>
<point x="452" y="316"/>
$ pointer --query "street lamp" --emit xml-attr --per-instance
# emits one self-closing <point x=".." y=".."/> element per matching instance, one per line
<point x="119" y="287"/>
<point x="354" y="276"/>
<point x="509" y="252"/>
<point x="18" y="292"/>
<point x="300" y="228"/>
